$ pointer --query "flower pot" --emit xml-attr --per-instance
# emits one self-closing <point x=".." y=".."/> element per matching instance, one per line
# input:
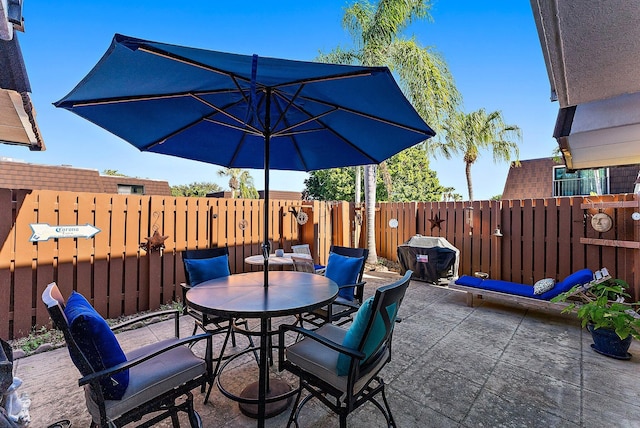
<point x="607" y="342"/>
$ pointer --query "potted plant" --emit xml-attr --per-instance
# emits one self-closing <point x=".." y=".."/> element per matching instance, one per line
<point x="602" y="308"/>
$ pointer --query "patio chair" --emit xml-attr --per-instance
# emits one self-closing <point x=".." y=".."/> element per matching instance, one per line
<point x="201" y="265"/>
<point x="304" y="249"/>
<point x="303" y="264"/>
<point x="346" y="267"/>
<point x="341" y="367"/>
<point x="122" y="388"/>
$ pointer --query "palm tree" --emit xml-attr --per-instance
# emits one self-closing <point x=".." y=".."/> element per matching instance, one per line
<point x="376" y="30"/>
<point x="468" y="134"/>
<point x="240" y="183"/>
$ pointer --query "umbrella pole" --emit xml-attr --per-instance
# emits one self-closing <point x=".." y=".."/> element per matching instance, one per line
<point x="266" y="248"/>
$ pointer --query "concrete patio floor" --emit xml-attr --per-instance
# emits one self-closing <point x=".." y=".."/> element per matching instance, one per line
<point x="452" y="366"/>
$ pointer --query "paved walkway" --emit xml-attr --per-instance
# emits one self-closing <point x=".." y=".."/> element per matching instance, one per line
<point x="452" y="366"/>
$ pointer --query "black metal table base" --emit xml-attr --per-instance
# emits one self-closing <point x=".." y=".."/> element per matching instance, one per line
<point x="277" y="388"/>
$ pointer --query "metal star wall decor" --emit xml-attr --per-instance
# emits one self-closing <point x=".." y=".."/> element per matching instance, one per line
<point x="154" y="242"/>
<point x="436" y="222"/>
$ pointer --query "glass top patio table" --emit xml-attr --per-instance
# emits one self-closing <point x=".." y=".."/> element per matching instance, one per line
<point x="245" y="296"/>
<point x="274" y="260"/>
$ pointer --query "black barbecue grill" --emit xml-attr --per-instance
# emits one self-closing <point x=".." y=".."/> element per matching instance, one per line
<point x="431" y="258"/>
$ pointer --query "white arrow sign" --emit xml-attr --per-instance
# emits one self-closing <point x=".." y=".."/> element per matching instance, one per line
<point x="44" y="232"/>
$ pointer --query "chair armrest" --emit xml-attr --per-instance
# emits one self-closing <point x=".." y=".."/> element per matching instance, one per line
<point x="93" y="377"/>
<point x="356" y="285"/>
<point x="351" y="304"/>
<point x="311" y="334"/>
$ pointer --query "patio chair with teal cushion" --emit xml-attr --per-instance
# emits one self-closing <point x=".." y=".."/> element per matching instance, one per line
<point x="123" y="387"/>
<point x="341" y="367"/>
<point x="345" y="266"/>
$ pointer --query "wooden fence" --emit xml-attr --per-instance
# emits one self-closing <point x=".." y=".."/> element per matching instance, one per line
<point x="540" y="238"/>
<point x="111" y="269"/>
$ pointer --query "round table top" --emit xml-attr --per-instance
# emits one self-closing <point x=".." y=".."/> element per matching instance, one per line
<point x="245" y="296"/>
<point x="274" y="260"/>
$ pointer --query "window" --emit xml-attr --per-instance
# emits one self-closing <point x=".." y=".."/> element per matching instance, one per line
<point x="130" y="189"/>
<point x="580" y="182"/>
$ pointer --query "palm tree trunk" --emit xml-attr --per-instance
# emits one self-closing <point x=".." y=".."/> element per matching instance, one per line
<point x="370" y="205"/>
<point x="467" y="170"/>
<point x="357" y="229"/>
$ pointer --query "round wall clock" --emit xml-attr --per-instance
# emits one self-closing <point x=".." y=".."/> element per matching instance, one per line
<point x="601" y="222"/>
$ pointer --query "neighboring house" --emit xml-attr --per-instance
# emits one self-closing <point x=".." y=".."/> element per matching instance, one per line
<point x="18" y="124"/>
<point x="544" y="178"/>
<point x="21" y="175"/>
<point x="273" y="194"/>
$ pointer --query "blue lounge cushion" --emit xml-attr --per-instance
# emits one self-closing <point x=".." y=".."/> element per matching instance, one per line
<point x="344" y="270"/>
<point x="357" y="329"/>
<point x="577" y="278"/>
<point x="201" y="270"/>
<point x="580" y="277"/>
<point x="98" y="343"/>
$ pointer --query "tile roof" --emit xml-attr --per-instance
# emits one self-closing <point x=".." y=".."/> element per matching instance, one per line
<point x="533" y="179"/>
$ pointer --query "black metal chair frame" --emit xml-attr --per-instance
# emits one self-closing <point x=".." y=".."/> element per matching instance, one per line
<point x="164" y="402"/>
<point x="347" y="308"/>
<point x="228" y="326"/>
<point x="336" y="399"/>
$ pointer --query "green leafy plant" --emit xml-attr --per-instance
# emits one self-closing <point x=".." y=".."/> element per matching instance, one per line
<point x="603" y="305"/>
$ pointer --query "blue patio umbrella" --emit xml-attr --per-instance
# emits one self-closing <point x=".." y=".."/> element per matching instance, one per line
<point x="242" y="111"/>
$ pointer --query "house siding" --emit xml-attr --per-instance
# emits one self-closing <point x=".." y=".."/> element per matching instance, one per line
<point x="533" y="179"/>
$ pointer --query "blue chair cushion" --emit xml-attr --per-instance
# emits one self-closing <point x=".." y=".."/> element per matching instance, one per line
<point x="201" y="270"/>
<point x="357" y="329"/>
<point x="344" y="270"/>
<point x="98" y="343"/>
<point x="580" y="277"/>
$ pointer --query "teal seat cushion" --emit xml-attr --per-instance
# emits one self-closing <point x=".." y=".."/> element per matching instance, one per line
<point x="201" y="270"/>
<point x="98" y="343"/>
<point x="344" y="270"/>
<point x="357" y="330"/>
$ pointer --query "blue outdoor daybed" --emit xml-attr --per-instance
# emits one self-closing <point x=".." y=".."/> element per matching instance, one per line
<point x="517" y="293"/>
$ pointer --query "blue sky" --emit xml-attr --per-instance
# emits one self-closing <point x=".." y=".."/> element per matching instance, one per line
<point x="492" y="49"/>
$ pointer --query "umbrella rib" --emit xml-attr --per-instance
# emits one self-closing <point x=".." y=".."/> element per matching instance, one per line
<point x="164" y="54"/>
<point x="238" y="128"/>
<point x="289" y="103"/>
<point x="366" y="115"/>
<point x="134" y="98"/>
<point x="227" y="114"/>
<point x="166" y="137"/>
<point x="195" y="122"/>
<point x="360" y="73"/>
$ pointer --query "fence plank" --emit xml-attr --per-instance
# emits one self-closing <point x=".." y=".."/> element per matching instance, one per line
<point x="516" y="241"/>
<point x="6" y="251"/>
<point x="551" y="239"/>
<point x="539" y="239"/>
<point x="578" y="229"/>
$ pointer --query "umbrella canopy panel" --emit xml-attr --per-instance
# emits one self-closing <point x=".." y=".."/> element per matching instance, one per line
<point x="221" y="108"/>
